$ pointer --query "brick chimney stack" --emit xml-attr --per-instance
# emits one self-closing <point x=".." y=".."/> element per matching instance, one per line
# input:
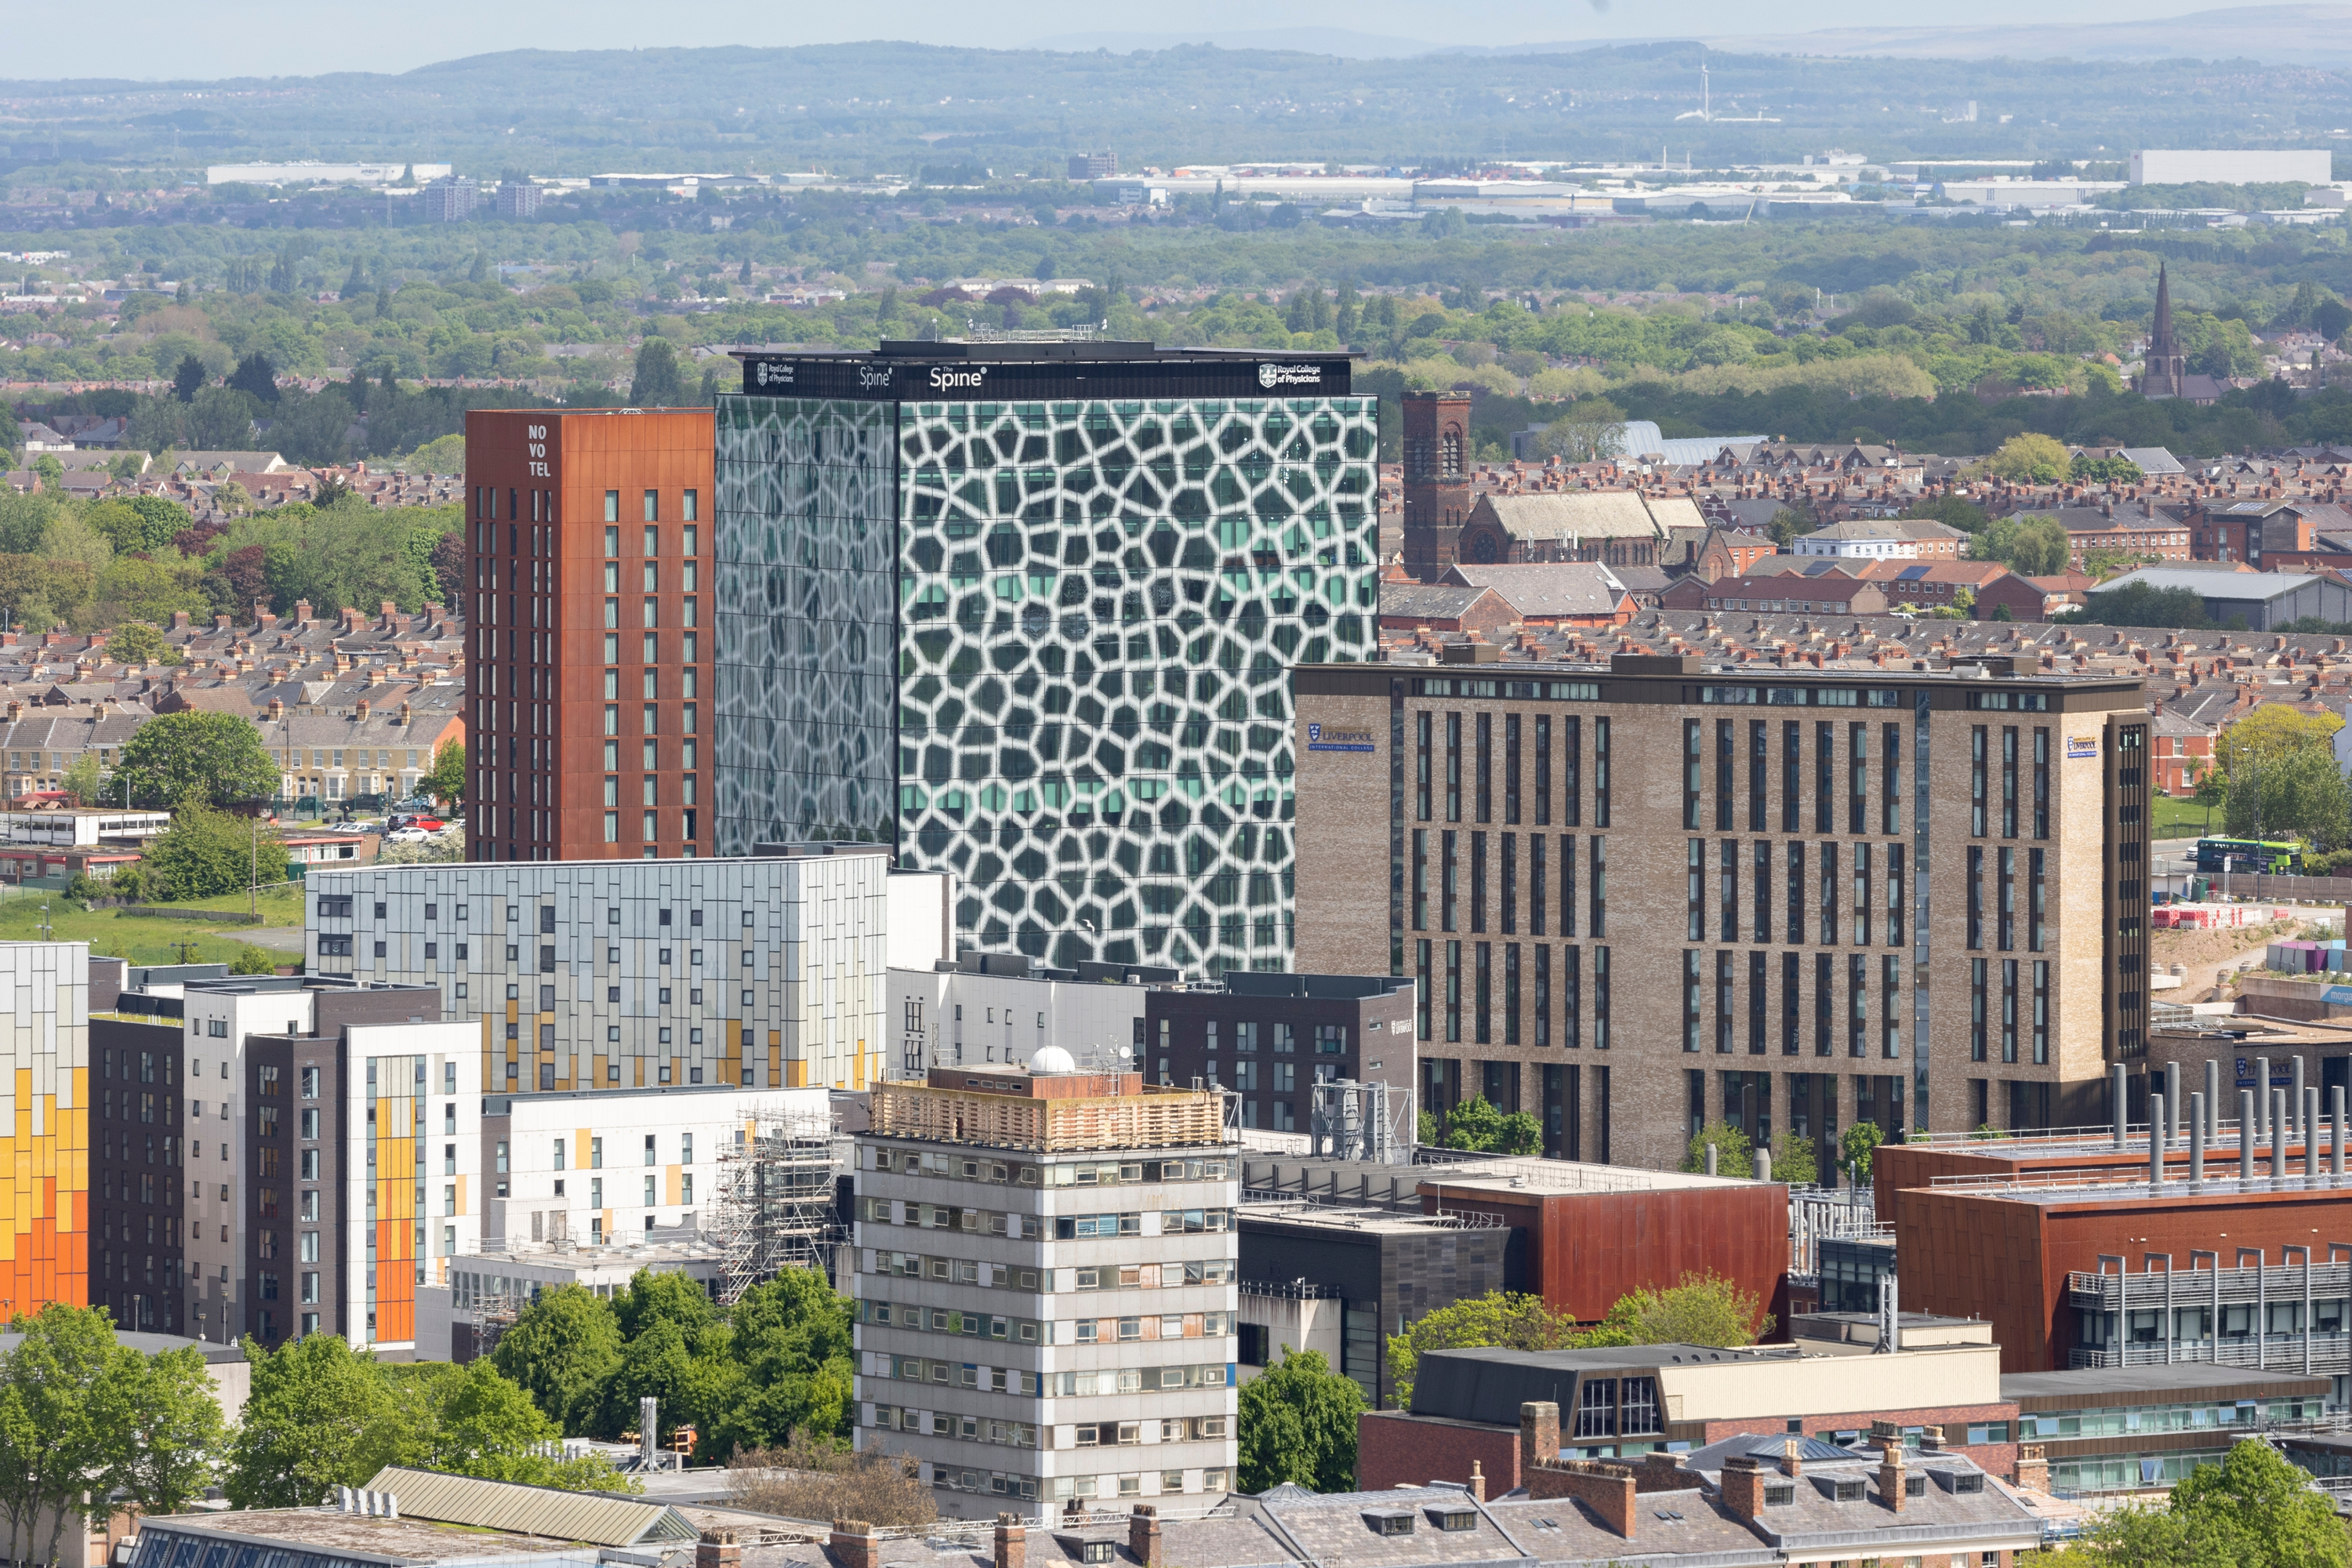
<point x="1743" y="1485"/>
<point x="1012" y="1542"/>
<point x="1477" y="1481"/>
<point x="1538" y="1435"/>
<point x="2032" y="1469"/>
<point x="854" y="1540"/>
<point x="1891" y="1476"/>
<point x="717" y="1549"/>
<point x="1142" y="1536"/>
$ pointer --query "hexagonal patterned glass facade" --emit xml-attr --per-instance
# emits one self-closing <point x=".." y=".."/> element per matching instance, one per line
<point x="1086" y="647"/>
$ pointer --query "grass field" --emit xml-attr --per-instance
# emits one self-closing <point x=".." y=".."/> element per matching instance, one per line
<point x="141" y="939"/>
<point x="2183" y="818"/>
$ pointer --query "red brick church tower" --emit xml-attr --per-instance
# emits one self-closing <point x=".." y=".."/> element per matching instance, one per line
<point x="1437" y="479"/>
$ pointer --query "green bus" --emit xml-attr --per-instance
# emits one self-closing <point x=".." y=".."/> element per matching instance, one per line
<point x="2277" y="857"/>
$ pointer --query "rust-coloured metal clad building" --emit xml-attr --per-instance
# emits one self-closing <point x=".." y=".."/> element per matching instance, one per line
<point x="589" y="685"/>
<point x="2080" y="1262"/>
<point x="1586" y="1247"/>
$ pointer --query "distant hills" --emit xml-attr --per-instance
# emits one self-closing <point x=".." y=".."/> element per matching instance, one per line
<point x="2318" y="35"/>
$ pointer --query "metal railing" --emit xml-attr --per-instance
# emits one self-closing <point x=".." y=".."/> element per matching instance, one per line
<point x="2331" y="1354"/>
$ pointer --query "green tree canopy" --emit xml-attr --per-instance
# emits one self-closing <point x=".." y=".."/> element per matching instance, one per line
<point x="136" y="642"/>
<point x="320" y="1415"/>
<point x="1592" y="430"/>
<point x="1508" y="1320"/>
<point x="658" y="382"/>
<point x="2026" y="544"/>
<point x="1297" y="1423"/>
<point x="1703" y="1310"/>
<point x="562" y="1349"/>
<point x="2254" y="1510"/>
<point x="2030" y="458"/>
<point x="1734" y="1154"/>
<point x="206" y="852"/>
<point x="217" y="758"/>
<point x="446" y="782"/>
<point x="82" y="1415"/>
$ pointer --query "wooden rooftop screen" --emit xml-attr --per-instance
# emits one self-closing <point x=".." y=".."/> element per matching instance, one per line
<point x="1158" y="1117"/>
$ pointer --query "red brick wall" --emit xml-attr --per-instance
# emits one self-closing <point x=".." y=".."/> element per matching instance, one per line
<point x="1395" y="1449"/>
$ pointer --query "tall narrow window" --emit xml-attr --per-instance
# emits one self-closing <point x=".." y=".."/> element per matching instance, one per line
<point x="1543" y="770"/>
<point x="1485" y="766"/>
<point x="1724" y="763"/>
<point x="2005" y="890"/>
<point x="2035" y="902"/>
<point x="1690" y="1000"/>
<point x="2041" y="783"/>
<point x="1571" y="997"/>
<point x="1756" y="1028"/>
<point x="1890" y="770"/>
<point x="1824" y="778"/>
<point x="1600" y="774"/>
<point x="1763" y="891"/>
<point x="1538" y="897"/>
<point x="1446" y="873"/>
<point x="1857" y="780"/>
<point x="1568" y="884"/>
<point x="1482" y="959"/>
<point x="1511" y="768"/>
<point x="1792" y="777"/>
<point x="1791" y="967"/>
<point x="2041" y="1011"/>
<point x="2008" y="780"/>
<point x="1976" y="1009"/>
<point x="1572" y="771"/>
<point x="1828" y="927"/>
<point x="1691" y="765"/>
<point x="1857" y="1017"/>
<point x="1422" y="725"/>
<point x="2009" y="1009"/>
<point x="1599" y="998"/>
<point x="1759" y="768"/>
<point x="1421" y="988"/>
<point x="1596" y="876"/>
<point x="1510" y="884"/>
<point x="1477" y="881"/>
<point x="1510" y="993"/>
<point x="1796" y="893"/>
<point x="1727" y="894"/>
<point x="1453" y="767"/>
<point x="1723" y="1013"/>
<point x="1542" y="988"/>
<point x="1894" y="895"/>
<point x="1976" y="896"/>
<point x="1862" y="895"/>
<point x="1695" y="891"/>
<point x="1452" y="991"/>
<point x="1890" y="1012"/>
<point x="1977" y="782"/>
<point x="1824" y="1004"/>
<point x="1420" y="878"/>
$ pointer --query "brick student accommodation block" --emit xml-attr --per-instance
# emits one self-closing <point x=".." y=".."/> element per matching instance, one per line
<point x="1642" y="895"/>
<point x="592" y="658"/>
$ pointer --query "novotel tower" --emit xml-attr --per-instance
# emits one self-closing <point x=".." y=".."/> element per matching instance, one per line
<point x="1027" y="610"/>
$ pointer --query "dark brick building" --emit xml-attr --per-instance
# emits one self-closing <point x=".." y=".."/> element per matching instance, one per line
<point x="1271" y="1036"/>
<point x="135" y="1178"/>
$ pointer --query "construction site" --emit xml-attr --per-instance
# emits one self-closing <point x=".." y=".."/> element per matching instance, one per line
<point x="773" y="1207"/>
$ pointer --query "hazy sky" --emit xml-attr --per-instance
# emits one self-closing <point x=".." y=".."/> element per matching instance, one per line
<point x="208" y="39"/>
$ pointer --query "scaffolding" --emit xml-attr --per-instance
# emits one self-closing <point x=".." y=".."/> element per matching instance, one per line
<point x="773" y="1208"/>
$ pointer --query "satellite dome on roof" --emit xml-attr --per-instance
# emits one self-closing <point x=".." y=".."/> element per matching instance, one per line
<point x="1053" y="1058"/>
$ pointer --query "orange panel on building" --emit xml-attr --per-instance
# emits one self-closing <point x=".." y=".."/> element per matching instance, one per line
<point x="589" y="692"/>
<point x="1585" y="1249"/>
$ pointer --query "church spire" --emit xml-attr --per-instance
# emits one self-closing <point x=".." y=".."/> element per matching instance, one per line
<point x="2159" y="337"/>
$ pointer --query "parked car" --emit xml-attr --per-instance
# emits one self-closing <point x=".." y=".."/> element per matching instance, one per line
<point x="408" y="836"/>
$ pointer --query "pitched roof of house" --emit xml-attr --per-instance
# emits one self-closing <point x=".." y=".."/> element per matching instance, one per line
<point x="1549" y="588"/>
